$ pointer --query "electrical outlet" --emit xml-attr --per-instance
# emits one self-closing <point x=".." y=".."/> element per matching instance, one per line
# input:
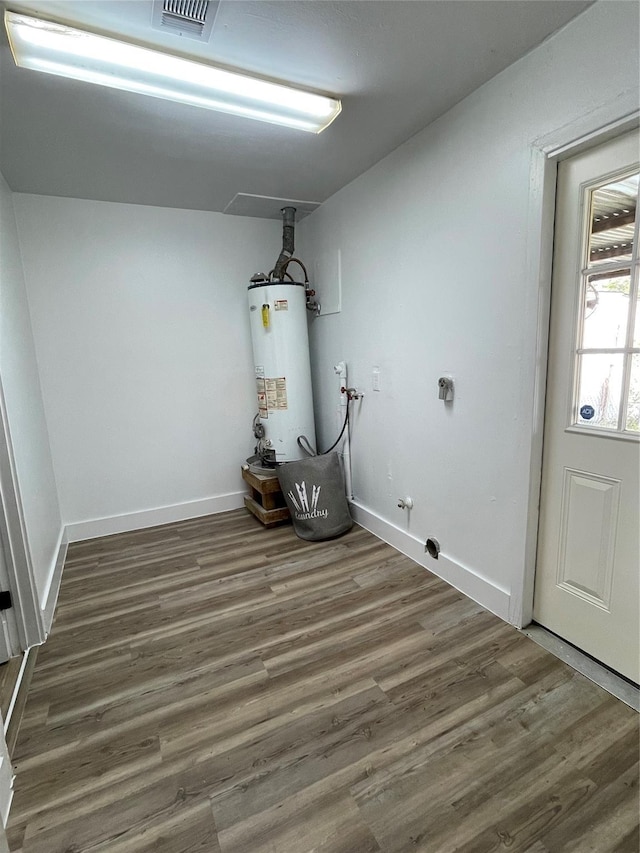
<point x="375" y="379"/>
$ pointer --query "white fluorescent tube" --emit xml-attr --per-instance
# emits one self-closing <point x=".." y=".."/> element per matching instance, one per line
<point x="56" y="49"/>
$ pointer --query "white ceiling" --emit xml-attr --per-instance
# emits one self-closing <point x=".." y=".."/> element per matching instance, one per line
<point x="396" y="64"/>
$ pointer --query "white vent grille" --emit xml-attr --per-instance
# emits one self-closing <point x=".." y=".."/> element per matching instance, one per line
<point x="192" y="10"/>
<point x="191" y="18"/>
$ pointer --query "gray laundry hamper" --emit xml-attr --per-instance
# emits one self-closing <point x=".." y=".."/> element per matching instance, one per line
<point x="314" y="491"/>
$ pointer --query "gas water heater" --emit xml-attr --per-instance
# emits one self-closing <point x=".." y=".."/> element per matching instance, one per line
<point x="278" y="311"/>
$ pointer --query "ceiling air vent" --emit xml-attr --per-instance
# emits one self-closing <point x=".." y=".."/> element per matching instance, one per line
<point x="189" y="18"/>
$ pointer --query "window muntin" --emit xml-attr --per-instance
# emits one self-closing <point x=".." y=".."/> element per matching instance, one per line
<point x="607" y="381"/>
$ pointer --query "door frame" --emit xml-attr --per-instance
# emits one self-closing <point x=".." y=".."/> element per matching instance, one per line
<point x="545" y="154"/>
<point x="13" y="532"/>
<point x="9" y="641"/>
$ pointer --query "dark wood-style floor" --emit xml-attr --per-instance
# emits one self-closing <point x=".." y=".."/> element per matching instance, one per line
<point x="214" y="686"/>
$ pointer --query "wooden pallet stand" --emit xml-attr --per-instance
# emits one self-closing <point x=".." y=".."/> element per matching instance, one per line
<point x="266" y="500"/>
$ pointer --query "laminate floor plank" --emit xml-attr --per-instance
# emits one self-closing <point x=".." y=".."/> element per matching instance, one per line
<point x="211" y="686"/>
<point x="320" y="819"/>
<point x="132" y="716"/>
<point x="158" y="810"/>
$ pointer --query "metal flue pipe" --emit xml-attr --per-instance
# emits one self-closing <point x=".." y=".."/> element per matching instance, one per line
<point x="288" y="229"/>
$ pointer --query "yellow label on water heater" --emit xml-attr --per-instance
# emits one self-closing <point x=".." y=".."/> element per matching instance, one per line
<point x="265" y="316"/>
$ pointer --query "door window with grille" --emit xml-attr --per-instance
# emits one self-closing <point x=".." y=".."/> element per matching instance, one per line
<point x="607" y="365"/>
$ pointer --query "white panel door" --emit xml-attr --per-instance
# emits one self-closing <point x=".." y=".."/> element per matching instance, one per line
<point x="589" y="546"/>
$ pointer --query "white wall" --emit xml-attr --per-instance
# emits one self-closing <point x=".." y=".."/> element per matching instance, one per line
<point x="142" y="336"/>
<point x="435" y="280"/>
<point x="24" y="408"/>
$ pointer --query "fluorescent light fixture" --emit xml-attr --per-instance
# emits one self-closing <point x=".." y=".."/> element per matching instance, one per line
<point x="56" y="49"/>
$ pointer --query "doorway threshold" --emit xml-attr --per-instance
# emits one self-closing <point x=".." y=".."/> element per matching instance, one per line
<point x="587" y="666"/>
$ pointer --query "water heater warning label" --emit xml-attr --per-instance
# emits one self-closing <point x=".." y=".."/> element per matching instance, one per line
<point x="276" y="393"/>
<point x="281" y="305"/>
<point x="272" y="395"/>
<point x="281" y="393"/>
<point x="263" y="411"/>
<point x="272" y="398"/>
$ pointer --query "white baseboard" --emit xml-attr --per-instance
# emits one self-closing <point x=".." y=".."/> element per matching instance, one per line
<point x="80" y="530"/>
<point x="16" y="688"/>
<point x="50" y="597"/>
<point x="480" y="589"/>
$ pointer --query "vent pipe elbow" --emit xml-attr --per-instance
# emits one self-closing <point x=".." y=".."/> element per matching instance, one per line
<point x="288" y="230"/>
